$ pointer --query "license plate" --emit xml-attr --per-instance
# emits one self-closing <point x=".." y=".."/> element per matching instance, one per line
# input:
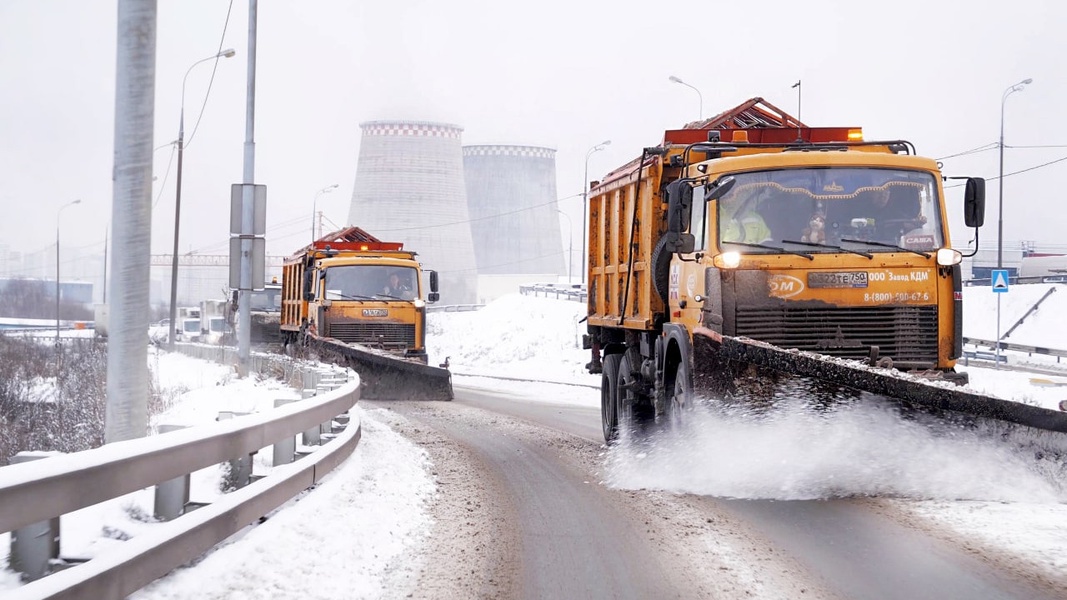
<point x="375" y="312"/>
<point x="840" y="279"/>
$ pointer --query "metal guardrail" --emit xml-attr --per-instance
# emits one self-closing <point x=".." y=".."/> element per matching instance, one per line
<point x="576" y="293"/>
<point x="1016" y="347"/>
<point x="43" y="490"/>
<point x="454" y="307"/>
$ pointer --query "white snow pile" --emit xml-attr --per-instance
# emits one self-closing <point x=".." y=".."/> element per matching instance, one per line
<point x="514" y="336"/>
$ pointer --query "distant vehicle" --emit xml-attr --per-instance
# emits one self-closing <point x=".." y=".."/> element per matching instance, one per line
<point x="1045" y="269"/>
<point x="189" y="331"/>
<point x="352" y="287"/>
<point x="265" y="313"/>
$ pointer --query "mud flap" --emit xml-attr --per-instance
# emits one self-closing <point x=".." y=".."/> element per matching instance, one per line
<point x="748" y="370"/>
<point x="383" y="376"/>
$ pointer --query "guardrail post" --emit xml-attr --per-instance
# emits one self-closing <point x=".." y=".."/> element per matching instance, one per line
<point x="171" y="495"/>
<point x="312" y="437"/>
<point x="240" y="468"/>
<point x="284" y="449"/>
<point x="35" y="546"/>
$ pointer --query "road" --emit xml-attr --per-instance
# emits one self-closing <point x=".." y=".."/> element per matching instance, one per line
<point x="523" y="513"/>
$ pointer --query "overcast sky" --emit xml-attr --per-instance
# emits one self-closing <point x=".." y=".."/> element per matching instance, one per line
<point x="561" y="74"/>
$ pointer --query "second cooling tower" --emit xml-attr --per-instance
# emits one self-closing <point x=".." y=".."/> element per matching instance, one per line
<point x="409" y="188"/>
<point x="511" y="192"/>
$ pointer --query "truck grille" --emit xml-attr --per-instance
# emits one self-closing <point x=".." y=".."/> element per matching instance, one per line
<point x="907" y="334"/>
<point x="389" y="335"/>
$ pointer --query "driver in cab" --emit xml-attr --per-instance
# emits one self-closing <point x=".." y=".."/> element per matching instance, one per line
<point x="397" y="288"/>
<point x="892" y="209"/>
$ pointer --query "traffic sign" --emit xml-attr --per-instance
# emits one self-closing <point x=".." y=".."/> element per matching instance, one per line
<point x="1000" y="280"/>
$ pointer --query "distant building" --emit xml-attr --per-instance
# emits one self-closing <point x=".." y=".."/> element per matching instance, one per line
<point x="409" y="188"/>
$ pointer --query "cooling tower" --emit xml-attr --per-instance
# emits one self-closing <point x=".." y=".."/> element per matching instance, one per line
<point x="511" y="193"/>
<point x="409" y="188"/>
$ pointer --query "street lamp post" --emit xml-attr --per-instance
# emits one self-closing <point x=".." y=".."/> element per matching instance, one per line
<point x="178" y="197"/>
<point x="314" y="209"/>
<point x="570" y="247"/>
<point x="700" y="98"/>
<point x="1018" y="87"/>
<point x="585" y="198"/>
<point x="58" y="213"/>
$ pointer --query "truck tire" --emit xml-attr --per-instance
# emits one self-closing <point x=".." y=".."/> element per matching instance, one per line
<point x="609" y="414"/>
<point x="632" y="407"/>
<point x="679" y="396"/>
<point x="661" y="268"/>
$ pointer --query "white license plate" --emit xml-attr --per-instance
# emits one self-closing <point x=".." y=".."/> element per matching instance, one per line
<point x="375" y="312"/>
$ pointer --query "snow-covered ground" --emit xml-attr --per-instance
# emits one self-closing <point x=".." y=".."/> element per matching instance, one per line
<point x="363" y="525"/>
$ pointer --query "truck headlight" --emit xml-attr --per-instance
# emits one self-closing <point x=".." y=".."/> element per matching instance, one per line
<point x="947" y="257"/>
<point x="727" y="260"/>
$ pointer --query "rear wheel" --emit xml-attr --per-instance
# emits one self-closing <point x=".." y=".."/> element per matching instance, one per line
<point x="634" y="411"/>
<point x="609" y="382"/>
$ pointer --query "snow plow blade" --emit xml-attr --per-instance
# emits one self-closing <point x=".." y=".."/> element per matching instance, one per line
<point x="742" y="369"/>
<point x="384" y="376"/>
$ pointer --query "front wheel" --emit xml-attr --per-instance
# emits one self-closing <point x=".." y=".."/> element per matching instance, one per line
<point x="609" y="414"/>
<point x="680" y="399"/>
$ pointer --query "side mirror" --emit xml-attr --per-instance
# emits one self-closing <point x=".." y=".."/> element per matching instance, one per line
<point x="719" y="188"/>
<point x="309" y="285"/>
<point x="974" y="202"/>
<point x="433" y="297"/>
<point x="433" y="282"/>
<point x="679" y="205"/>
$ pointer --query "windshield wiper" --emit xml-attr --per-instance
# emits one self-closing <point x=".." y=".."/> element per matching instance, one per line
<point x="885" y="245"/>
<point x="775" y="248"/>
<point x="356" y="297"/>
<point x="817" y="245"/>
<point x="388" y="296"/>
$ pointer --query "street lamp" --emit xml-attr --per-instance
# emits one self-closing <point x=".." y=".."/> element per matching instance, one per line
<point x="1018" y="87"/>
<point x="314" y="209"/>
<point x="227" y="53"/>
<point x="570" y="247"/>
<point x="58" y="213"/>
<point x="585" y="197"/>
<point x="700" y="98"/>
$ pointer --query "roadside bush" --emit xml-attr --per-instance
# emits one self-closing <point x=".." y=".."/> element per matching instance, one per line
<point x="54" y="399"/>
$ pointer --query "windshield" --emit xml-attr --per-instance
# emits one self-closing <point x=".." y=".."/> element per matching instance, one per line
<point x="217" y="324"/>
<point x="371" y="282"/>
<point x="846" y="207"/>
<point x="267" y="300"/>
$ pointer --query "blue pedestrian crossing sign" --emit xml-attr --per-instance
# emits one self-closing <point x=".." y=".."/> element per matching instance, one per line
<point x="1000" y="280"/>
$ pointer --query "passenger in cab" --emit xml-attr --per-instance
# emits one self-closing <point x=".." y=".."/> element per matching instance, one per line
<point x="739" y="221"/>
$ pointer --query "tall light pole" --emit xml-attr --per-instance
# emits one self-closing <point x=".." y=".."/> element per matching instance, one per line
<point x="314" y="209"/>
<point x="570" y="247"/>
<point x="585" y="198"/>
<point x="700" y="98"/>
<point x="227" y="53"/>
<point x="1018" y="87"/>
<point x="58" y="213"/>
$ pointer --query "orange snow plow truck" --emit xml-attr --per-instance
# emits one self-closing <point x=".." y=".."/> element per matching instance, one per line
<point x="749" y="250"/>
<point x="356" y="300"/>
